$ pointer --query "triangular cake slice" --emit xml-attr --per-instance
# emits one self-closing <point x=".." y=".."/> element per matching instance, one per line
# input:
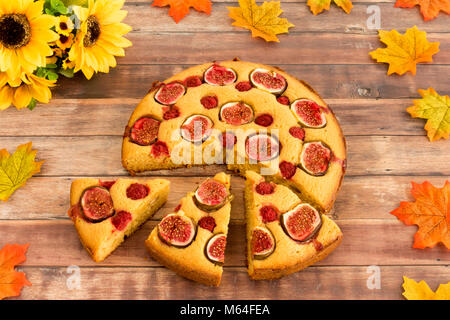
<point x="104" y="213"/>
<point x="191" y="241"/>
<point x="284" y="233"/>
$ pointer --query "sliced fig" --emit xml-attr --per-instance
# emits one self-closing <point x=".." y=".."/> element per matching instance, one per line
<point x="170" y="93"/>
<point x="262" y="243"/>
<point x="268" y="213"/>
<point x="145" y="131"/>
<point x="176" y="230"/>
<point x="301" y="223"/>
<point x="137" y="191"/>
<point x="283" y="100"/>
<point x="297" y="132"/>
<point x="262" y="147"/>
<point x="215" y="248"/>
<point x="315" y="158"/>
<point x="264" y="120"/>
<point x="309" y="113"/>
<point x="236" y="113"/>
<point x="121" y="219"/>
<point x="196" y="128"/>
<point x="97" y="204"/>
<point x="268" y="80"/>
<point x="220" y="76"/>
<point x="243" y="86"/>
<point x="211" y="195"/>
<point x="193" y="81"/>
<point x="264" y="188"/>
<point x="287" y="169"/>
<point x="209" y="102"/>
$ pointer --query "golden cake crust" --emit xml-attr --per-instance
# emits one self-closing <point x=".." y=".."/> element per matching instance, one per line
<point x="321" y="190"/>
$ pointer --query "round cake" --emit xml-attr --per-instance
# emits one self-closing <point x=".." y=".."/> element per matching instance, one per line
<point x="246" y="115"/>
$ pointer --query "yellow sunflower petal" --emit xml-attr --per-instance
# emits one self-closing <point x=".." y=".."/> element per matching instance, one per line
<point x="6" y="97"/>
<point x="22" y="97"/>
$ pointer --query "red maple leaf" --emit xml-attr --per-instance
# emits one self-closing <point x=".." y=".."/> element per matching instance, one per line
<point x="429" y="8"/>
<point x="180" y="8"/>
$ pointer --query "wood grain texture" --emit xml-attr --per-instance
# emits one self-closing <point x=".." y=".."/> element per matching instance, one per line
<point x="160" y="283"/>
<point x="366" y="242"/>
<point x="335" y="20"/>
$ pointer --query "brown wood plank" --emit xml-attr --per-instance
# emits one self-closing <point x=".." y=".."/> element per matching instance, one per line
<point x="368" y="155"/>
<point x="299" y="48"/>
<point x="366" y="197"/>
<point x="160" y="283"/>
<point x="366" y="242"/>
<point x="65" y="117"/>
<point x="142" y="18"/>
<point x="330" y="81"/>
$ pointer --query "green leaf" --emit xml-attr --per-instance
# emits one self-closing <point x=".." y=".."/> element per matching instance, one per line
<point x="52" y="75"/>
<point x="32" y="104"/>
<point x="68" y="73"/>
<point x="58" y="6"/>
<point x="81" y="3"/>
<point x="51" y="66"/>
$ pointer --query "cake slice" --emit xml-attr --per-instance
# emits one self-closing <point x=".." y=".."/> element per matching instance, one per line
<point x="284" y="233"/>
<point x="104" y="213"/>
<point x="191" y="241"/>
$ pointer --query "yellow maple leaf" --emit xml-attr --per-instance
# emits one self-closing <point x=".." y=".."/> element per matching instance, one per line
<point x="403" y="52"/>
<point x="436" y="109"/>
<point x="262" y="20"/>
<point x="421" y="290"/>
<point x="317" y="6"/>
<point x="16" y="169"/>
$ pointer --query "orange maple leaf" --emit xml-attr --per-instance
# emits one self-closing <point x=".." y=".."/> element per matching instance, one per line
<point x="430" y="212"/>
<point x="429" y="8"/>
<point x="11" y="281"/>
<point x="180" y="8"/>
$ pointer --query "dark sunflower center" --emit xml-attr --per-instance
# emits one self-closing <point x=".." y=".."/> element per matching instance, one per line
<point x="63" y="26"/>
<point x="15" y="31"/>
<point x="93" y="32"/>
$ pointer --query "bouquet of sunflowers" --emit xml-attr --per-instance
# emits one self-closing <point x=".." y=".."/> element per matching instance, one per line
<point x="43" y="39"/>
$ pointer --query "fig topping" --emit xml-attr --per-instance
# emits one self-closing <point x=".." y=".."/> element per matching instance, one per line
<point x="265" y="188"/>
<point x="236" y="113"/>
<point x="297" y="132"/>
<point x="268" y="214"/>
<point x="268" y="80"/>
<point x="208" y="223"/>
<point x="220" y="76"/>
<point x="107" y="184"/>
<point x="301" y="223"/>
<point x="215" y="248"/>
<point x="121" y="220"/>
<point x="196" y="128"/>
<point x="287" y="169"/>
<point x="283" y="100"/>
<point x="211" y="195"/>
<point x="160" y="148"/>
<point x="193" y="81"/>
<point x="97" y="204"/>
<point x="229" y="139"/>
<point x="137" y="191"/>
<point x="315" y="158"/>
<point x="264" y="120"/>
<point x="209" y="102"/>
<point x="262" y="147"/>
<point x="145" y="131"/>
<point x="176" y="230"/>
<point x="262" y="243"/>
<point x="309" y="113"/>
<point x="170" y="93"/>
<point x="243" y="86"/>
<point x="171" y="112"/>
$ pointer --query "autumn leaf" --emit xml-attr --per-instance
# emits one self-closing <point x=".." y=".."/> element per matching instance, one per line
<point x="263" y="20"/>
<point x="317" y="6"/>
<point x="421" y="290"/>
<point x="436" y="109"/>
<point x="403" y="52"/>
<point x="16" y="169"/>
<point x="429" y="8"/>
<point x="430" y="212"/>
<point x="11" y="281"/>
<point x="180" y="8"/>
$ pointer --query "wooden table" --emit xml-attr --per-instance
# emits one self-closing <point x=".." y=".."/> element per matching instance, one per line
<point x="79" y="134"/>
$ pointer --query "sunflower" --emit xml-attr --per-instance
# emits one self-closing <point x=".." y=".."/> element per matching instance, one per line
<point x="22" y="94"/>
<point x="100" y="36"/>
<point x="64" y="25"/>
<point x="24" y="36"/>
<point x="64" y="42"/>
